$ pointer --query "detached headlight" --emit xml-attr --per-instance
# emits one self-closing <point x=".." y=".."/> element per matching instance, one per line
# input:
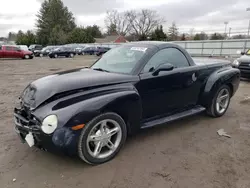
<point x="49" y="124"/>
<point x="236" y="63"/>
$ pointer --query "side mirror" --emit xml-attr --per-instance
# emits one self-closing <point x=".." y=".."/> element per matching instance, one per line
<point x="242" y="53"/>
<point x="163" y="67"/>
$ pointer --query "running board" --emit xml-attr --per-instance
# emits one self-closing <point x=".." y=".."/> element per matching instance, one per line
<point x="167" y="119"/>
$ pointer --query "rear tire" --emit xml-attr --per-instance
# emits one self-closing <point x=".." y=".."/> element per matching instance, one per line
<point x="220" y="102"/>
<point x="108" y="132"/>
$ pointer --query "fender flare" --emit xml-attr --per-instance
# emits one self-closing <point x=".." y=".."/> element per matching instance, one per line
<point x="225" y="75"/>
<point x="127" y="104"/>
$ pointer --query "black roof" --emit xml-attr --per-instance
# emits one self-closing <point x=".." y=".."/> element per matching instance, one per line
<point x="153" y="44"/>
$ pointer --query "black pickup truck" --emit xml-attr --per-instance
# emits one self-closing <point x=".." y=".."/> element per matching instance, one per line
<point x="90" y="111"/>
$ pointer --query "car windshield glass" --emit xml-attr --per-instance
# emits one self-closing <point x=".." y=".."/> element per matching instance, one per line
<point x="121" y="59"/>
<point x="248" y="52"/>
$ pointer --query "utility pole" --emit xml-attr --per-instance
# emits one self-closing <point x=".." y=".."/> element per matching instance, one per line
<point x="248" y="32"/>
<point x="225" y="28"/>
<point x="229" y="32"/>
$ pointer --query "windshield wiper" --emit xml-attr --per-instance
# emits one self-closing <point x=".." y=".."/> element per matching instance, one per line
<point x="100" y="69"/>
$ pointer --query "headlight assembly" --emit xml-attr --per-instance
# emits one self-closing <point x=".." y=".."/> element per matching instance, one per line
<point x="49" y="124"/>
<point x="236" y="63"/>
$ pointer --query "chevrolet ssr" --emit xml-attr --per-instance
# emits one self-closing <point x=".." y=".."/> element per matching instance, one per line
<point x="90" y="111"/>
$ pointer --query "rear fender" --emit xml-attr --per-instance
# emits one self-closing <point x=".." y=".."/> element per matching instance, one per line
<point x="227" y="75"/>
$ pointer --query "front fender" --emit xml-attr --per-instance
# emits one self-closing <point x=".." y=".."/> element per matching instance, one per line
<point x="226" y="75"/>
<point x="82" y="107"/>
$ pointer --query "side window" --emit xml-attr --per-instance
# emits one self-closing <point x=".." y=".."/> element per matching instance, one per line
<point x="8" y="48"/>
<point x="16" y="49"/>
<point x="0" y="47"/>
<point x="167" y="55"/>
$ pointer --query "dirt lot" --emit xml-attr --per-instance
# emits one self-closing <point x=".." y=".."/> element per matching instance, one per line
<point x="184" y="154"/>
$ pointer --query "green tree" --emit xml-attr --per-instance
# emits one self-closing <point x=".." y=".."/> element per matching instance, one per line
<point x="57" y="36"/>
<point x="12" y="36"/>
<point x="158" y="34"/>
<point x="111" y="29"/>
<point x="217" y="36"/>
<point x="27" y="38"/>
<point x="52" y="16"/>
<point x="173" y="32"/>
<point x="200" y="36"/>
<point x="80" y="35"/>
<point x="94" y="31"/>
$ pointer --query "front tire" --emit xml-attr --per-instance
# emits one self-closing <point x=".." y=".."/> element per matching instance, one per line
<point x="220" y="102"/>
<point x="71" y="55"/>
<point x="102" y="138"/>
<point x="26" y="56"/>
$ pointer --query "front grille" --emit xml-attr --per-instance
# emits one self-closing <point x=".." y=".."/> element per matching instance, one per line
<point x="25" y="120"/>
<point x="244" y="66"/>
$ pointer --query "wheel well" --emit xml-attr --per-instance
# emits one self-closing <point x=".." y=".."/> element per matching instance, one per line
<point x="119" y="109"/>
<point x="231" y="88"/>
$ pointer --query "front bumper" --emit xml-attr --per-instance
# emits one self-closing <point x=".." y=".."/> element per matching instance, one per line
<point x="63" y="140"/>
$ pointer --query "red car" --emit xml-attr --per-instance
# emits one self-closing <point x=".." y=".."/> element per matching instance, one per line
<point x="14" y="52"/>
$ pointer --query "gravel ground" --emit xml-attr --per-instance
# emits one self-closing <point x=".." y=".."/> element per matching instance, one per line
<point x="183" y="154"/>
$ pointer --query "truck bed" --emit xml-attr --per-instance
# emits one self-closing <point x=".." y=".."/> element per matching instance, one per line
<point x="210" y="61"/>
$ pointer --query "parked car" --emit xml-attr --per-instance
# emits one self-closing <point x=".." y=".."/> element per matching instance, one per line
<point x="102" y="50"/>
<point x="35" y="47"/>
<point x="45" y="51"/>
<point x="62" y="52"/>
<point x="90" y="50"/>
<point x="9" y="51"/>
<point x="243" y="64"/>
<point x="90" y="111"/>
<point x="79" y="50"/>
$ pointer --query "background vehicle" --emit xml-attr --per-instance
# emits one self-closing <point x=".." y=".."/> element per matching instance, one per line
<point x="102" y="50"/>
<point x="45" y="51"/>
<point x="90" y="50"/>
<point x="62" y="52"/>
<point x="34" y="47"/>
<point x="90" y="111"/>
<point x="23" y="47"/>
<point x="7" y="51"/>
<point x="243" y="64"/>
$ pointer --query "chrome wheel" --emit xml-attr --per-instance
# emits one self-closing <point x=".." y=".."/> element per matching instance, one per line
<point x="71" y="55"/>
<point x="104" y="138"/>
<point x="55" y="55"/>
<point x="222" y="100"/>
<point x="41" y="55"/>
<point x="26" y="56"/>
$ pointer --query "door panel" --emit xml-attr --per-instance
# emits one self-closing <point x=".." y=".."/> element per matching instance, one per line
<point x="158" y="93"/>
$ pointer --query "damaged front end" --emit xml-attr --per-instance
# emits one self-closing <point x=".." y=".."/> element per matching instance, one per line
<point x="42" y="134"/>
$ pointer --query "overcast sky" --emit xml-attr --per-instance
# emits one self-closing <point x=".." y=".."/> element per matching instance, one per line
<point x="198" y="14"/>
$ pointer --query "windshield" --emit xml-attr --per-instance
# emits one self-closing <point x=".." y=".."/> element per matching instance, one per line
<point x="120" y="59"/>
<point x="248" y="52"/>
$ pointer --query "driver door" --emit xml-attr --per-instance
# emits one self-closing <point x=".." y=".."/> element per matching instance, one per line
<point x="166" y="92"/>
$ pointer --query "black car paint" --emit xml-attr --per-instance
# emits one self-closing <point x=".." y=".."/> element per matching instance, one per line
<point x="77" y="96"/>
<point x="62" y="52"/>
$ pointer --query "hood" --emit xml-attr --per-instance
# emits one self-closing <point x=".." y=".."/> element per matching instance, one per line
<point x="244" y="58"/>
<point x="44" y="88"/>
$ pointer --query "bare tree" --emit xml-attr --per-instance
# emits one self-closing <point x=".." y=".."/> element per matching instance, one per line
<point x="143" y="22"/>
<point x="173" y="32"/>
<point x="116" y="21"/>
